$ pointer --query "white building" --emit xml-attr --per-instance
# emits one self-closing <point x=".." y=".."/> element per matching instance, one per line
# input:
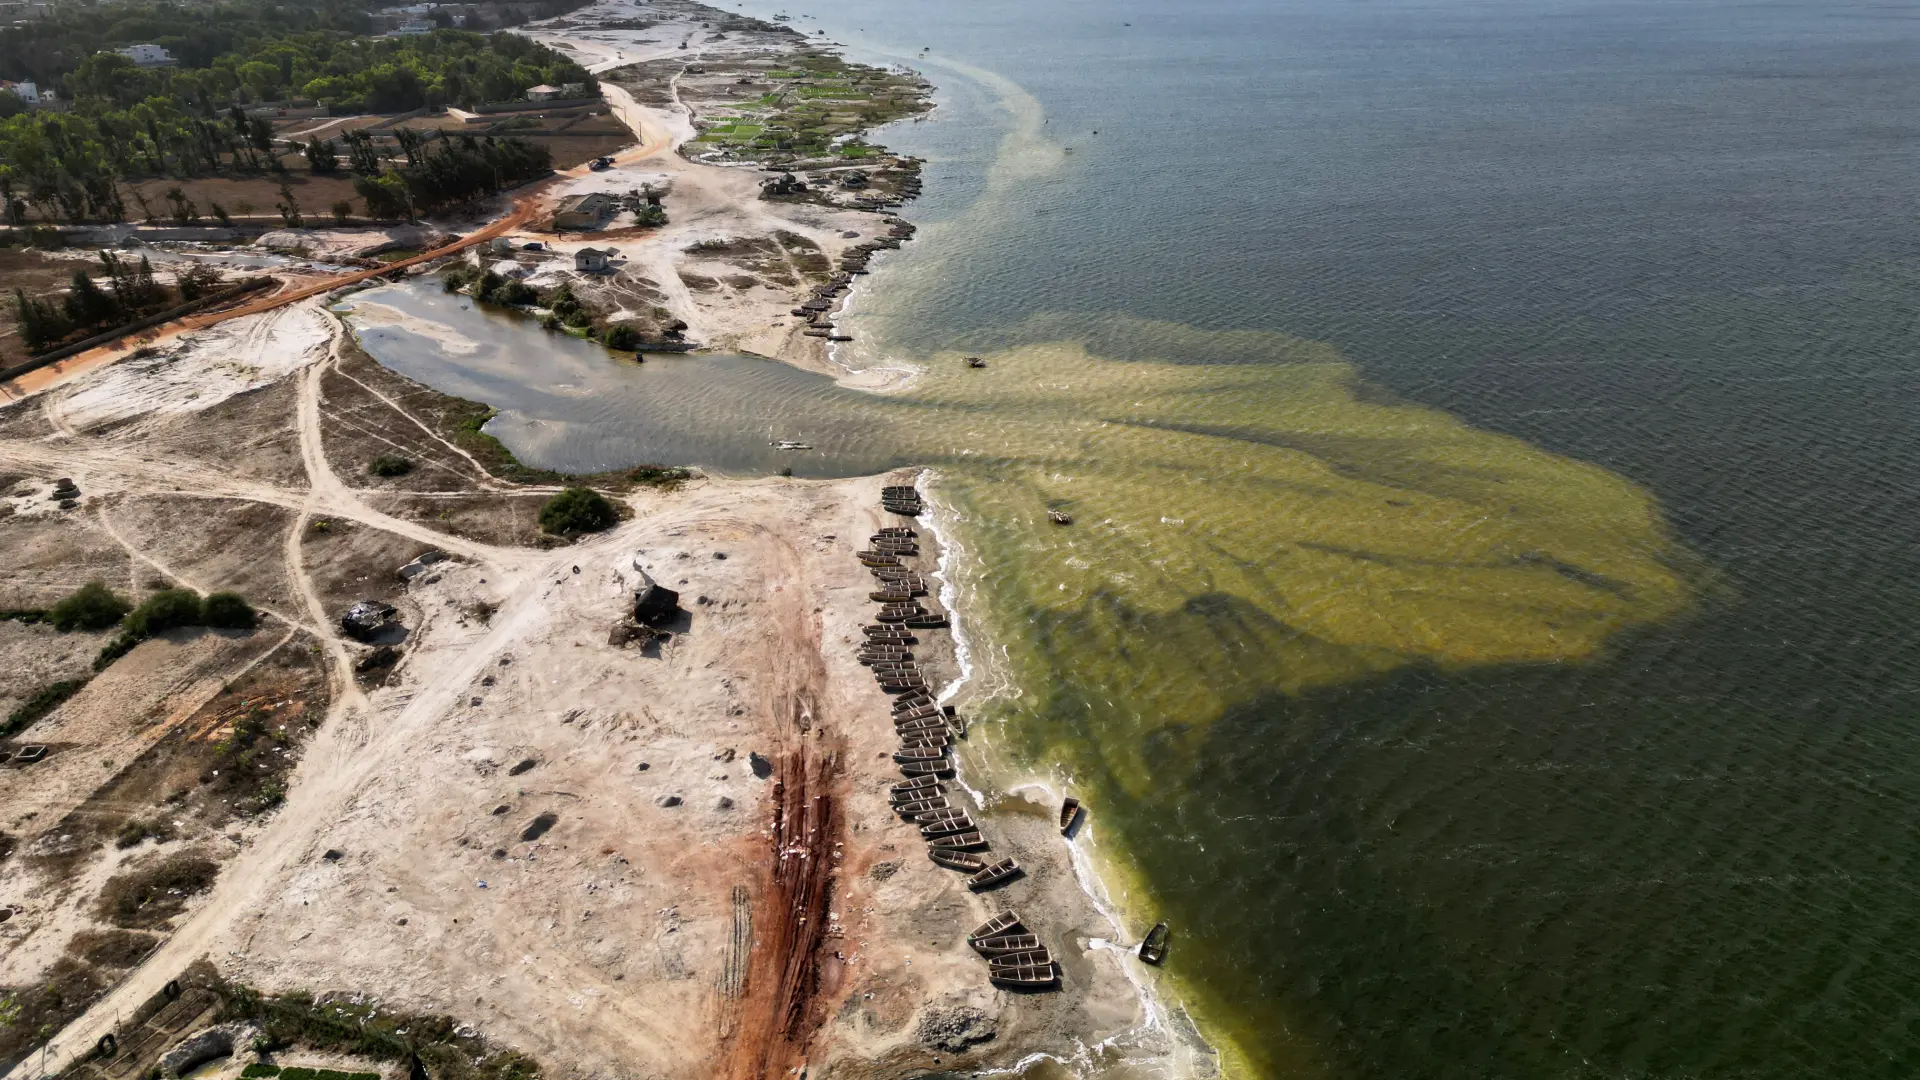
<point x="543" y="92"/>
<point x="25" y="91"/>
<point x="147" y="55"/>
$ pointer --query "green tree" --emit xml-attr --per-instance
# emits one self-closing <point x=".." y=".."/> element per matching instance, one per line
<point x="289" y="208"/>
<point x="85" y="304"/>
<point x="91" y="607"/>
<point x="321" y="156"/>
<point x="227" y="611"/>
<point x="164" y="611"/>
<point x="577" y="510"/>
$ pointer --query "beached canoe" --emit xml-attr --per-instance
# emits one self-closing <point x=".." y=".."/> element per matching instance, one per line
<point x="954" y="859"/>
<point x="1005" y="944"/>
<point x="1004" y="870"/>
<point x="1035" y="977"/>
<point x="1004" y="923"/>
<point x="949" y="827"/>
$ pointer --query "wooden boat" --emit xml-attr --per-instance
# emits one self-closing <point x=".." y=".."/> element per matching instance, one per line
<point x="976" y="362"/>
<point x="919" y="784"/>
<point x="1024" y="977"/>
<point x="902" y="688"/>
<point x="1068" y="811"/>
<point x="924" y="739"/>
<point x="964" y="841"/>
<point x="1028" y="958"/>
<point x="1004" y="870"/>
<point x="937" y="829"/>
<point x="1005" y="944"/>
<point x="928" y="753"/>
<point x="907" y="705"/>
<point x="1153" y="948"/>
<point x="1004" y="923"/>
<point x="913" y="711"/>
<point x="921" y="728"/>
<point x="938" y="817"/>
<point x="922" y="806"/>
<point x="1059" y="517"/>
<point x="954" y="859"/>
<point x="926" y="768"/>
<point x="926" y="622"/>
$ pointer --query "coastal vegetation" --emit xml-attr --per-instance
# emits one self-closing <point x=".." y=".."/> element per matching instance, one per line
<point x="813" y="105"/>
<point x="577" y="510"/>
<point x="132" y="293"/>
<point x="202" y="118"/>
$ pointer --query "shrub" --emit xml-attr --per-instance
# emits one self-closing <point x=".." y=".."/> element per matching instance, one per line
<point x="514" y="294"/>
<point x="43" y="701"/>
<point x="133" y="832"/>
<point x="112" y="948"/>
<point x="163" y="611"/>
<point x="227" y="611"/>
<point x="622" y="336"/>
<point x="577" y="510"/>
<point x="259" y="1069"/>
<point x="390" y="465"/>
<point x="660" y="476"/>
<point x="151" y="896"/>
<point x="92" y="607"/>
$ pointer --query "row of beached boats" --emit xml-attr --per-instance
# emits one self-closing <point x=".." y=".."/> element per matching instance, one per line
<point x="903" y="499"/>
<point x="1015" y="956"/>
<point x="927" y="731"/>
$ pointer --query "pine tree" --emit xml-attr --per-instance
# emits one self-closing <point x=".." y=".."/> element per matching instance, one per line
<point x="85" y="304"/>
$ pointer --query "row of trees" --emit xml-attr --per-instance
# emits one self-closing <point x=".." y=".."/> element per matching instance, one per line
<point x="131" y="293"/>
<point x="447" y="172"/>
<point x="198" y="34"/>
<point x="381" y="74"/>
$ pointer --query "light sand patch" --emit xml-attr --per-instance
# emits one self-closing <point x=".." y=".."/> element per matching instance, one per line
<point x="189" y="376"/>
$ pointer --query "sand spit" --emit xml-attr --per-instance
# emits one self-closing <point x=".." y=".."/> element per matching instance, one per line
<point x="677" y="861"/>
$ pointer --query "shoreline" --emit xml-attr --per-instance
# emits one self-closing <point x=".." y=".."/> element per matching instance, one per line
<point x="398" y="867"/>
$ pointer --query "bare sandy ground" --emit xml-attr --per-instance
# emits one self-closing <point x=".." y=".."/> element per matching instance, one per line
<point x="560" y="840"/>
<point x="587" y="851"/>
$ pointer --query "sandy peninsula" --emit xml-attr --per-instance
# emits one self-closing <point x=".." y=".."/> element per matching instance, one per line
<point x="671" y="861"/>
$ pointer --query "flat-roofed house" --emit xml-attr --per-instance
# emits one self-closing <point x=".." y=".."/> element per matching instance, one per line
<point x="588" y="212"/>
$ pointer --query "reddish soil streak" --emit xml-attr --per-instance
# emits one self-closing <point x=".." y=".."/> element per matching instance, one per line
<point x="780" y="1012"/>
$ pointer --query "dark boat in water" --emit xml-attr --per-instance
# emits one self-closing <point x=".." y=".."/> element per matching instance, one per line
<point x="1004" y="870"/>
<point x="926" y="768"/>
<point x="1068" y="811"/>
<point x="1153" y="948"/>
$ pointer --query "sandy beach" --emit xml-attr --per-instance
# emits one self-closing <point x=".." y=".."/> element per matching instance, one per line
<point x="667" y="862"/>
